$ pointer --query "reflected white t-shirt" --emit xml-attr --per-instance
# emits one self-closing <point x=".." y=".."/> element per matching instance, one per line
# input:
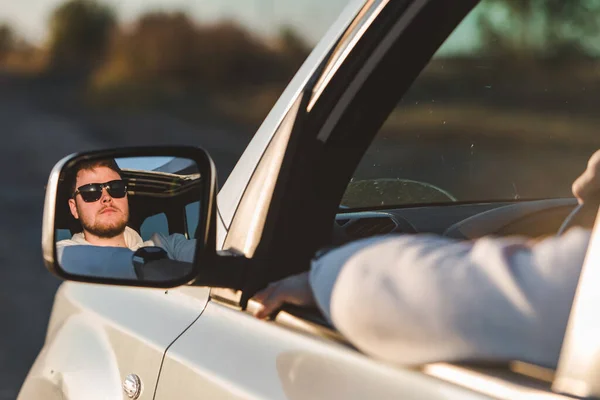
<point x="176" y="245"/>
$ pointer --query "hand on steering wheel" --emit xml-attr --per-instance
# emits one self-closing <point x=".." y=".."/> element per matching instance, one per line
<point x="586" y="189"/>
<point x="583" y="215"/>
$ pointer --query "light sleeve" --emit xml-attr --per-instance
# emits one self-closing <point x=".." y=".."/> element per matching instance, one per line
<point x="176" y="245"/>
<point x="414" y="299"/>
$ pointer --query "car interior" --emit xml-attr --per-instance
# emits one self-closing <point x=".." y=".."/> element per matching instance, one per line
<point x="464" y="221"/>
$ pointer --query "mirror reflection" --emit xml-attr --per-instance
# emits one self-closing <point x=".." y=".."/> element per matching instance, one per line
<point x="128" y="218"/>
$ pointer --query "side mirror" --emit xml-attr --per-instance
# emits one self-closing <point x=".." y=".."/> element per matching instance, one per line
<point x="124" y="216"/>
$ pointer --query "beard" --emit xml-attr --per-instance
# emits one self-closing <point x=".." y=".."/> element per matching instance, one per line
<point x="105" y="230"/>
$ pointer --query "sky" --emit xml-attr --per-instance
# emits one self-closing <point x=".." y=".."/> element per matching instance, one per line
<point x="311" y="18"/>
<point x="142" y="163"/>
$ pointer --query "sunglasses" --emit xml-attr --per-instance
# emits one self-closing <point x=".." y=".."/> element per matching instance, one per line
<point x="93" y="191"/>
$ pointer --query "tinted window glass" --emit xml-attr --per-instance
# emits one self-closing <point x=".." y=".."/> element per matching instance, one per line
<point x="507" y="109"/>
<point x="62" y="234"/>
<point x="155" y="224"/>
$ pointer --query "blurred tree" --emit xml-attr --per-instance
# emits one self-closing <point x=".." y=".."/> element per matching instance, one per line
<point x="7" y="41"/>
<point x="169" y="61"/>
<point x="292" y="48"/>
<point x="79" y="34"/>
<point x="231" y="58"/>
<point x="169" y="47"/>
<point x="160" y="45"/>
<point x="555" y="29"/>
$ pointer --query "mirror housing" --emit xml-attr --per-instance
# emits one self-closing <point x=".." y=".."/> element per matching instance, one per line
<point x="106" y="264"/>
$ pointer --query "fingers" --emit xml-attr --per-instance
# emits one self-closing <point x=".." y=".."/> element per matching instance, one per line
<point x="588" y="183"/>
<point x="585" y="185"/>
<point x="293" y="289"/>
<point x="263" y="294"/>
<point x="271" y="299"/>
<point x="581" y="186"/>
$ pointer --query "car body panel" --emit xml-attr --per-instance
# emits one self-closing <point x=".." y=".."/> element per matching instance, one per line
<point x="98" y="335"/>
<point x="259" y="360"/>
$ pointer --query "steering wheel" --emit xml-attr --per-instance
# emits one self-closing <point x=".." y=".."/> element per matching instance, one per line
<point x="583" y="215"/>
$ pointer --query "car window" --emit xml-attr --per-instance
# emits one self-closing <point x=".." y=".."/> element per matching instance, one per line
<point x="505" y="110"/>
<point x="192" y="215"/>
<point x="62" y="234"/>
<point x="157" y="223"/>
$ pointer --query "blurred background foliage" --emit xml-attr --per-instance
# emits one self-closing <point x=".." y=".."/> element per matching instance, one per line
<point x="556" y="30"/>
<point x="530" y="74"/>
<point x="166" y="58"/>
<point x="80" y="32"/>
<point x="161" y="59"/>
<point x="507" y="108"/>
<point x="525" y="71"/>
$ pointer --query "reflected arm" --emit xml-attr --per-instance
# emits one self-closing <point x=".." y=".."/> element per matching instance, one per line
<point x="177" y="246"/>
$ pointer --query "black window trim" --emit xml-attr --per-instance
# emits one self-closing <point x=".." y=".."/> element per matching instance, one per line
<point x="314" y="172"/>
<point x="399" y="44"/>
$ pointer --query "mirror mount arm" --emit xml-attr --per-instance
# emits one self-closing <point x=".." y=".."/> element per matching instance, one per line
<point x="227" y="271"/>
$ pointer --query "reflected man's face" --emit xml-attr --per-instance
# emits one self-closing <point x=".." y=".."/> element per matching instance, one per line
<point x="105" y="218"/>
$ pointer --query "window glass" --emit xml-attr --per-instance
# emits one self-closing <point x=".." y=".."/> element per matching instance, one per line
<point x="507" y="109"/>
<point x="62" y="234"/>
<point x="155" y="224"/>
